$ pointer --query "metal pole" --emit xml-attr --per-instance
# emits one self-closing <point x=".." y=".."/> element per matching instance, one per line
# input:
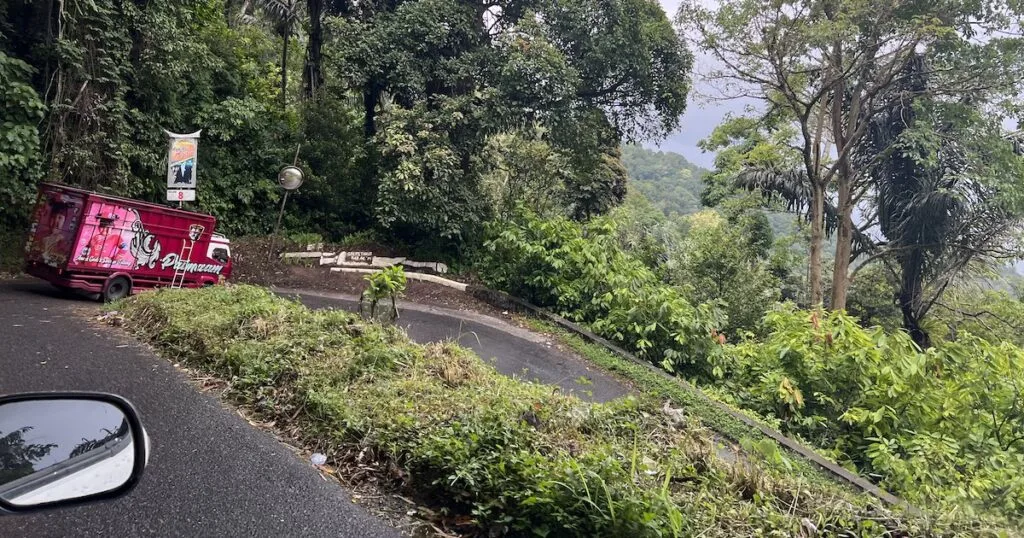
<point x="270" y="255"/>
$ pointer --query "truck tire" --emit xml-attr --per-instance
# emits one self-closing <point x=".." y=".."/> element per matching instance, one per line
<point x="118" y="287"/>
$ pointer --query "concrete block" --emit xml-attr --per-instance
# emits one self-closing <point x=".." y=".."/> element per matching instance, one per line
<point x="382" y="261"/>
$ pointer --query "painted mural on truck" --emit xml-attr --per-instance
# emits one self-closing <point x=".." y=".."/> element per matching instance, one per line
<point x="53" y="230"/>
<point x="116" y="237"/>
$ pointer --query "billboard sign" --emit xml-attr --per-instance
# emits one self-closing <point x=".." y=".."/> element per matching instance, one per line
<point x="181" y="160"/>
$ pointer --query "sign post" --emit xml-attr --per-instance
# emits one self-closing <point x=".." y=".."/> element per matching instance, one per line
<point x="182" y="166"/>
<point x="290" y="178"/>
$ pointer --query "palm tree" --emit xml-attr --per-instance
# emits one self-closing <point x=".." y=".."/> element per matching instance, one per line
<point x="284" y="14"/>
<point x="939" y="218"/>
<point x="793" y="189"/>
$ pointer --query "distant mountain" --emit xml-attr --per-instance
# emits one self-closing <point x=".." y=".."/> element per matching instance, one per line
<point x="674" y="184"/>
<point x="667" y="179"/>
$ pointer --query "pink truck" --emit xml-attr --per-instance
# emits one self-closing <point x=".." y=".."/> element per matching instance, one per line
<point x="108" y="245"/>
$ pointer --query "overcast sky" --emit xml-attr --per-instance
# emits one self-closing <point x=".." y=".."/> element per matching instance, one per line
<point x="702" y="115"/>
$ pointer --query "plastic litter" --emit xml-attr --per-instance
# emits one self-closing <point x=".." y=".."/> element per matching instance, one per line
<point x="318" y="459"/>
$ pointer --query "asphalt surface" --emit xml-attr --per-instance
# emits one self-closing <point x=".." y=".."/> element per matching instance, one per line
<point x="210" y="473"/>
<point x="512" y="350"/>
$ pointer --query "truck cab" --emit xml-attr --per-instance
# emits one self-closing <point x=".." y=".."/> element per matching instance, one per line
<point x="220" y="250"/>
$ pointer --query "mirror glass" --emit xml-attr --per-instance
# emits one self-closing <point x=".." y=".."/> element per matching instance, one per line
<point x="57" y="450"/>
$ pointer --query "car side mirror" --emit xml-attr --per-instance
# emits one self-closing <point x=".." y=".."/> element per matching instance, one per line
<point x="60" y="449"/>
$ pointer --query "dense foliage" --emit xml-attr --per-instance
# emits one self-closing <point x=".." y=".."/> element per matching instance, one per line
<point x="940" y="427"/>
<point x="583" y="272"/>
<point x="19" y="139"/>
<point x="416" y="118"/>
<point x="943" y="425"/>
<point x="494" y="455"/>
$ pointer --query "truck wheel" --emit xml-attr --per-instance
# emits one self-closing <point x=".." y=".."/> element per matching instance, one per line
<point x="117" y="288"/>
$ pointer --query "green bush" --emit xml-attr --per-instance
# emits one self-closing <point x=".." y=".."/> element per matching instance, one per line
<point x="21" y="110"/>
<point x="497" y="456"/>
<point x="581" y="271"/>
<point x="719" y="260"/>
<point x="945" y="426"/>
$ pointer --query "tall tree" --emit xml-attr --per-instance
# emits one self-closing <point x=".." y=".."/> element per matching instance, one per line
<point x="828" y="65"/>
<point x="317" y="11"/>
<point x="439" y="77"/>
<point x="944" y="182"/>
<point x="285" y="15"/>
<point x="17" y="456"/>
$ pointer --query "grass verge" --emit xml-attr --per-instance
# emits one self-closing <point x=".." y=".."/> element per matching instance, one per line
<point x="492" y="455"/>
<point x="663" y="388"/>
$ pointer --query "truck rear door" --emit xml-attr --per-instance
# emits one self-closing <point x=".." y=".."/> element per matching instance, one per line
<point x="55" y="221"/>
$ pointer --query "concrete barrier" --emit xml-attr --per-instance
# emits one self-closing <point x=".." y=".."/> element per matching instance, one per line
<point x="367" y="259"/>
<point x="410" y="276"/>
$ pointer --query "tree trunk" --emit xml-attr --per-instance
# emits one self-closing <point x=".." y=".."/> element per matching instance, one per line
<point x="284" y="71"/>
<point x="313" y="75"/>
<point x="844" y="242"/>
<point x="910" y="297"/>
<point x="371" y="97"/>
<point x="817" y="240"/>
<point x="911" y="320"/>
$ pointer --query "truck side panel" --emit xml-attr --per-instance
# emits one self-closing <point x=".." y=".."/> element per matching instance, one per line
<point x="145" y="242"/>
<point x="80" y="239"/>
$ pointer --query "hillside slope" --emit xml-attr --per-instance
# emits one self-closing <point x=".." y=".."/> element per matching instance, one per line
<point x="667" y="179"/>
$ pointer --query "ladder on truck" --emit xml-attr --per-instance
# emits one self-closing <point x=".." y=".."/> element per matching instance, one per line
<point x="183" y="260"/>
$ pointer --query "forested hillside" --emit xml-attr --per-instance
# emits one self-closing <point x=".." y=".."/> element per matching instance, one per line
<point x="676" y="186"/>
<point x="671" y="182"/>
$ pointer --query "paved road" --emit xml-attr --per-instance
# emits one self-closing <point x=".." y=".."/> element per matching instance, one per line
<point x="210" y="473"/>
<point x="513" y="351"/>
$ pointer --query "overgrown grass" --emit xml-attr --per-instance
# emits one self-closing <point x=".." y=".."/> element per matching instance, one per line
<point x="494" y="455"/>
<point x="659" y="386"/>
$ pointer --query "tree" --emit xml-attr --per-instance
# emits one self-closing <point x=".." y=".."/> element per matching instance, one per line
<point x="631" y="63"/>
<point x="827" y="67"/>
<point x="945" y="192"/>
<point x="439" y="79"/>
<point x="17" y="458"/>
<point x="723" y="257"/>
<point x="317" y="11"/>
<point x="285" y="14"/>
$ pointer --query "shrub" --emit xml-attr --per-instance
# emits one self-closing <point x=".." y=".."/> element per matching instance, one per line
<point x="387" y="285"/>
<point x="498" y="456"/>
<point x="945" y="426"/>
<point x="720" y="260"/>
<point x="581" y="271"/>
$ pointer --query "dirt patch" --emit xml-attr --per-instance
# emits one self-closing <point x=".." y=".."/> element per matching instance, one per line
<point x="252" y="265"/>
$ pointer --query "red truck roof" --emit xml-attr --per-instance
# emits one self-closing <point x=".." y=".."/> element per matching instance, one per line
<point x="126" y="201"/>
